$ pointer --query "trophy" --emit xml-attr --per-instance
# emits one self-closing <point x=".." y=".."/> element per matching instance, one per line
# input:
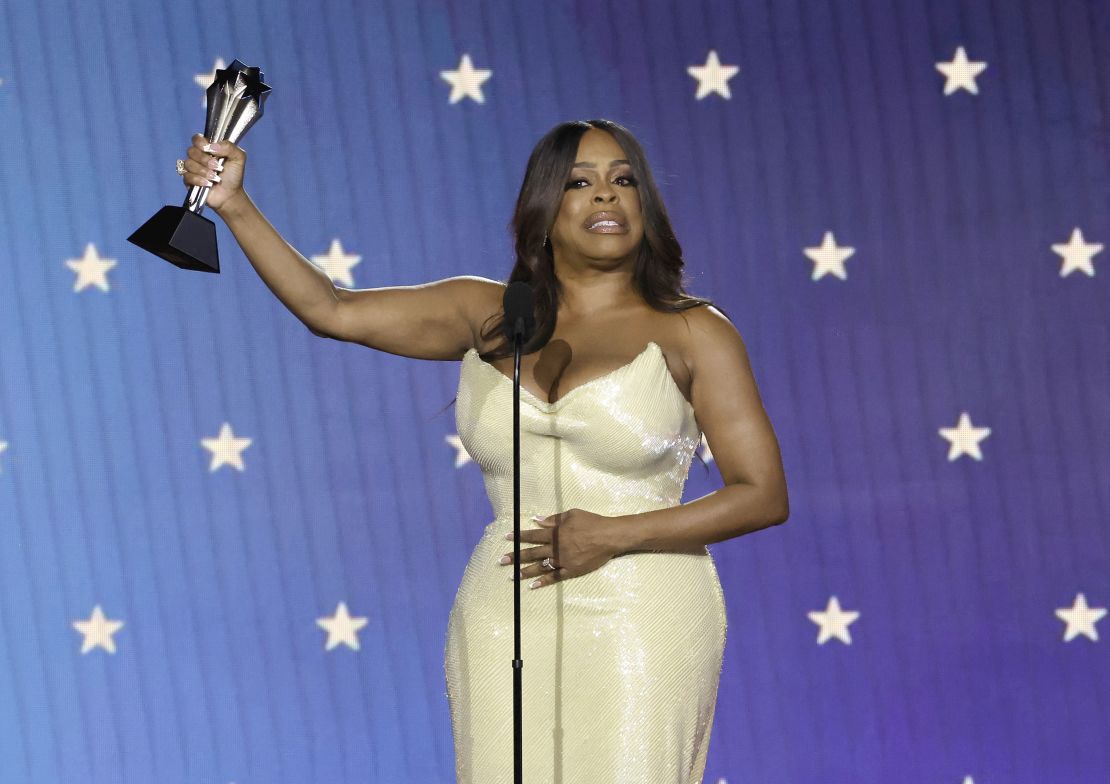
<point x="181" y="235"/>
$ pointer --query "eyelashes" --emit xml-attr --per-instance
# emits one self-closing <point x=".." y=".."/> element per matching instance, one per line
<point x="632" y="182"/>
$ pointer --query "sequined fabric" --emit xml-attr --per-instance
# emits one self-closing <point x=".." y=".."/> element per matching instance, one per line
<point x="621" y="665"/>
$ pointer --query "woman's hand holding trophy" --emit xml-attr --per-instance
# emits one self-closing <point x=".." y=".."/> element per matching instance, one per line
<point x="181" y="235"/>
<point x="218" y="166"/>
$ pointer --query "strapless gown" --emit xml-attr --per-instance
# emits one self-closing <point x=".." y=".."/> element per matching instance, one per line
<point x="621" y="665"/>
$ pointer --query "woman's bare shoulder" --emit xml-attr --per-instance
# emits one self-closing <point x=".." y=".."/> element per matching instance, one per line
<point x="709" y="337"/>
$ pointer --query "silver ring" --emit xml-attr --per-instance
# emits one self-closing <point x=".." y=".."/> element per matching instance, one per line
<point x="547" y="564"/>
<point x="180" y="166"/>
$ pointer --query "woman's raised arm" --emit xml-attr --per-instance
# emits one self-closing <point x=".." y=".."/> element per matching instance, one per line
<point x="437" y="320"/>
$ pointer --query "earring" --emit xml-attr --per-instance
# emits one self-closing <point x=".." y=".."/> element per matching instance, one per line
<point x="545" y="239"/>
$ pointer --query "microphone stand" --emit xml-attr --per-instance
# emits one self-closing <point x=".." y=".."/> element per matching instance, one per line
<point x="519" y="322"/>
<point x="518" y="662"/>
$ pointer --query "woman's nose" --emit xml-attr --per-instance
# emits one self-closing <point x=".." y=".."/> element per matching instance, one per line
<point x="605" y="195"/>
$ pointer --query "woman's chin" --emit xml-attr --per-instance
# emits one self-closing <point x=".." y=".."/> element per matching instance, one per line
<point x="614" y="245"/>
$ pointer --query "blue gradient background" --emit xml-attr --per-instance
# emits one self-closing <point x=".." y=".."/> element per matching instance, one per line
<point x="837" y="122"/>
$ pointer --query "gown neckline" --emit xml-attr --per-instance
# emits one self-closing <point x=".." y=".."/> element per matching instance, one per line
<point x="548" y="405"/>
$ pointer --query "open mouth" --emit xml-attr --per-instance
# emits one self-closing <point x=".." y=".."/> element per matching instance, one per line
<point x="605" y="223"/>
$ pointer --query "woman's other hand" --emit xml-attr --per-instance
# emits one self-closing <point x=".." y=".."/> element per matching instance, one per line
<point x="577" y="542"/>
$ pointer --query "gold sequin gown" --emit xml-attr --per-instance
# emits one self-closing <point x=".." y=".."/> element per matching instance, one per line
<point x="621" y="665"/>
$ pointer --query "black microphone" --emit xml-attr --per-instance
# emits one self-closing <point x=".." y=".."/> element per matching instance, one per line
<point x="520" y="315"/>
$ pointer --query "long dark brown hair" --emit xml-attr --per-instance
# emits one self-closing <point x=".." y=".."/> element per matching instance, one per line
<point x="657" y="275"/>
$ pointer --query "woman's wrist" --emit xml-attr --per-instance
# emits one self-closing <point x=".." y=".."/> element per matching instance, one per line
<point x="234" y="207"/>
<point x="621" y="534"/>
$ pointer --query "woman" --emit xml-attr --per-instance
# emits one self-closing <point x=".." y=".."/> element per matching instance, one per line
<point x="624" y="636"/>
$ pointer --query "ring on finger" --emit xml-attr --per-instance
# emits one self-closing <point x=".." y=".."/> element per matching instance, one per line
<point x="180" y="166"/>
<point x="549" y="564"/>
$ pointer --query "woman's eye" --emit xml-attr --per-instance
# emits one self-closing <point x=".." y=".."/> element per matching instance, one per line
<point x="628" y="179"/>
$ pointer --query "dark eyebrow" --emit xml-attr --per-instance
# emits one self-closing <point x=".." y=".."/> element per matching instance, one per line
<point x="591" y="165"/>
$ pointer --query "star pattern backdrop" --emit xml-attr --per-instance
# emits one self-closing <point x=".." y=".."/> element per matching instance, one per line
<point x="228" y="548"/>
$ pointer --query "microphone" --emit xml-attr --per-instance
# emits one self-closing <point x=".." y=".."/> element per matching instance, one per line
<point x="520" y="318"/>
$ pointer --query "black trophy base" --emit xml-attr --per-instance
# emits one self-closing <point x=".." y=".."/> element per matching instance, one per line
<point x="180" y="237"/>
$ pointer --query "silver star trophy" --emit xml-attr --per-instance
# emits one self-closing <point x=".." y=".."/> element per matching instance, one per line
<point x="181" y="235"/>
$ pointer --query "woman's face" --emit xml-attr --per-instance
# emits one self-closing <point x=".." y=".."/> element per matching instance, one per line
<point x="599" y="217"/>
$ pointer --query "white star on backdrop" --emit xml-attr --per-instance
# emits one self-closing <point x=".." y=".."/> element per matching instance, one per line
<point x="205" y="79"/>
<point x="1078" y="255"/>
<point x="833" y="622"/>
<point x="713" y="77"/>
<point x="466" y="81"/>
<point x="341" y="628"/>
<point x="462" y="457"/>
<point x="964" y="438"/>
<point x="91" y="269"/>
<point x="337" y="264"/>
<point x="1080" y="619"/>
<point x="98" y="631"/>
<point x="226" y="448"/>
<point x="829" y="258"/>
<point x="960" y="74"/>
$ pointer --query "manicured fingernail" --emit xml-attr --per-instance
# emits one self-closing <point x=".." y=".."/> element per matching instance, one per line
<point x="214" y="177"/>
<point x="537" y="518"/>
<point x="535" y="584"/>
<point x="504" y="559"/>
<point x="210" y="147"/>
<point x="509" y="536"/>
